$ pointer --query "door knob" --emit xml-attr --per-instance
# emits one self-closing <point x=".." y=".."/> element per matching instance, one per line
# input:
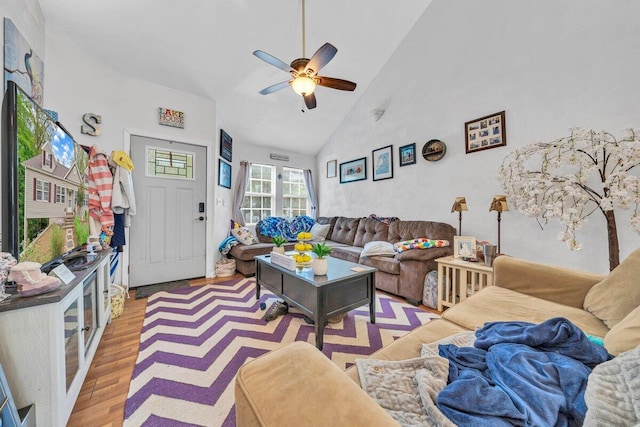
<point x="200" y="218"/>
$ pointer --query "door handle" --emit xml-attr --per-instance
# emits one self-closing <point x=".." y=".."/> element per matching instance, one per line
<point x="200" y="218"/>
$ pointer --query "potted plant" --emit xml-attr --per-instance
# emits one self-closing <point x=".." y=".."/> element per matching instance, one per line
<point x="320" y="265"/>
<point x="278" y="241"/>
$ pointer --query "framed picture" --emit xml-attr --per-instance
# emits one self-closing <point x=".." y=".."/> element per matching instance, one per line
<point x="354" y="170"/>
<point x="224" y="174"/>
<point x="407" y="154"/>
<point x="486" y="132"/>
<point x="226" y="147"/>
<point x="382" y="163"/>
<point x="464" y="247"/>
<point x="332" y="166"/>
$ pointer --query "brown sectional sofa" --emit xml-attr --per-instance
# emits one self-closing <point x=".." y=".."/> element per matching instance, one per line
<point x="401" y="275"/>
<point x="312" y="391"/>
<point x="404" y="273"/>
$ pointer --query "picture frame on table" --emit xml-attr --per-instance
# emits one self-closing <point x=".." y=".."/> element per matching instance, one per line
<point x="332" y="168"/>
<point x="353" y="170"/>
<point x="407" y="154"/>
<point x="382" y="163"/>
<point x="226" y="146"/>
<point x="486" y="132"/>
<point x="224" y="174"/>
<point x="464" y="247"/>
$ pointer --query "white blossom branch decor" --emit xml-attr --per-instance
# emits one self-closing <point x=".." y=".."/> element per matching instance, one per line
<point x="574" y="176"/>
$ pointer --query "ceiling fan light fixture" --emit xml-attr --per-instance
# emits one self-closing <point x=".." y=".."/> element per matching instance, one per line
<point x="303" y="85"/>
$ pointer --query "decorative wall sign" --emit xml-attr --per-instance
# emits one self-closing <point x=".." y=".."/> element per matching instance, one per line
<point x="408" y="155"/>
<point x="434" y="150"/>
<point x="224" y="174"/>
<point x="226" y="147"/>
<point x="382" y="163"/>
<point x="91" y="124"/>
<point x="169" y="117"/>
<point x="354" y="170"/>
<point x="486" y="132"/>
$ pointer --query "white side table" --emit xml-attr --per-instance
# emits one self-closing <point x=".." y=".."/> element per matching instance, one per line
<point x="458" y="279"/>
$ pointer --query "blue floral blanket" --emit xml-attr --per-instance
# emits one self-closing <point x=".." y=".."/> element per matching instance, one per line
<point x="287" y="228"/>
<point x="519" y="373"/>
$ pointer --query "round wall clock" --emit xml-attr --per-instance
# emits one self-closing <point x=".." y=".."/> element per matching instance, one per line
<point x="434" y="150"/>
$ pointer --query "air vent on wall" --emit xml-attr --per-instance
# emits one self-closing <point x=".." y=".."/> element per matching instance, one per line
<point x="280" y="157"/>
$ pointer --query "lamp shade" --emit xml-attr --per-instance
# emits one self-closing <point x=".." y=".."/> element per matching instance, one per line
<point x="303" y="85"/>
<point x="459" y="205"/>
<point x="499" y="204"/>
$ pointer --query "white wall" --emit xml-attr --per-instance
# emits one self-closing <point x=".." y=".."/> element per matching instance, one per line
<point x="78" y="83"/>
<point x="551" y="65"/>
<point x="253" y="153"/>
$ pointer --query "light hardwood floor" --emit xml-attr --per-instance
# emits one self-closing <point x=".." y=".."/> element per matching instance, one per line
<point x="104" y="392"/>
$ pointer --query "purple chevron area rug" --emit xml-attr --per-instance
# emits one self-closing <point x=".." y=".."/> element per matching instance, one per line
<point x="195" y="339"/>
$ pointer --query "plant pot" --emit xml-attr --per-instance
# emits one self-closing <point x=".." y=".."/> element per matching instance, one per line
<point x="320" y="266"/>
<point x="279" y="249"/>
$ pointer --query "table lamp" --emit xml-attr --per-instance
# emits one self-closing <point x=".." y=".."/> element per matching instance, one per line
<point x="499" y="204"/>
<point x="458" y="206"/>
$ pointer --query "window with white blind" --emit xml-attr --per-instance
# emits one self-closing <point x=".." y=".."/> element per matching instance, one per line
<point x="258" y="201"/>
<point x="294" y="193"/>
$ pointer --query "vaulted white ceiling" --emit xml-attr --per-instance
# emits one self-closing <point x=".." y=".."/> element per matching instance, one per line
<point x="204" y="47"/>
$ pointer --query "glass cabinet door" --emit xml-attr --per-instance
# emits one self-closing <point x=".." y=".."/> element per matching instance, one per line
<point x="71" y="342"/>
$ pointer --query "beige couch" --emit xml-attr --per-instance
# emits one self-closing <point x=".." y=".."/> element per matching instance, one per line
<point x="297" y="385"/>
<point x="402" y="274"/>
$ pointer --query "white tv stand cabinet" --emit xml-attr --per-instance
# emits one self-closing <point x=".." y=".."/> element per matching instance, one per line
<point x="48" y="341"/>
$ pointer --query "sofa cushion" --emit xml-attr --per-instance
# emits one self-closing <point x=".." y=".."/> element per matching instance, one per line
<point x="319" y="232"/>
<point x="247" y="252"/>
<point x="618" y="294"/>
<point x="421" y="243"/>
<point x="625" y="335"/>
<point x="499" y="304"/>
<point x="378" y="248"/>
<point x="244" y="235"/>
<point x="550" y="282"/>
<point x="302" y="371"/>
<point x="347" y="253"/>
<point x="407" y="230"/>
<point x="344" y="231"/>
<point x="382" y="263"/>
<point x="369" y="230"/>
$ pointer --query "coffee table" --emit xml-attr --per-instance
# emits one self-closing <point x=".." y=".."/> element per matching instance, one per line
<point x="320" y="297"/>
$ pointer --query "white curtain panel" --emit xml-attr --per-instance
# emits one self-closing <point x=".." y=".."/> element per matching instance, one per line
<point x="238" y="194"/>
<point x="311" y="193"/>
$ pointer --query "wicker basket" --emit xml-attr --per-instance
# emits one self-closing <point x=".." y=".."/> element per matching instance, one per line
<point x="225" y="267"/>
<point x="118" y="294"/>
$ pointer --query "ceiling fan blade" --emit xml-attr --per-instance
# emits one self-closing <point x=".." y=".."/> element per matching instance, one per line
<point x="310" y="101"/>
<point x="272" y="60"/>
<point x="335" y="83"/>
<point x="275" y="87"/>
<point x="321" y="58"/>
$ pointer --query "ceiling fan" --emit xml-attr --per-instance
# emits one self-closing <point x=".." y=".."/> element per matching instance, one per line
<point x="305" y="71"/>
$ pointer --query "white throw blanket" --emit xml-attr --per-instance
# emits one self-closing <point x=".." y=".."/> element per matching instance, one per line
<point x="407" y="389"/>
<point x="613" y="392"/>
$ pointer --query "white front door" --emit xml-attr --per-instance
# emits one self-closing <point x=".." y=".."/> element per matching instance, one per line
<point x="168" y="231"/>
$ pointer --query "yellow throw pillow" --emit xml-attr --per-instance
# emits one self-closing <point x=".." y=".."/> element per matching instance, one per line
<point x="625" y="335"/>
<point x="618" y="294"/>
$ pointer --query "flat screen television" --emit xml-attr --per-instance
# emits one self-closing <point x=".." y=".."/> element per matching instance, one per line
<point x="43" y="176"/>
